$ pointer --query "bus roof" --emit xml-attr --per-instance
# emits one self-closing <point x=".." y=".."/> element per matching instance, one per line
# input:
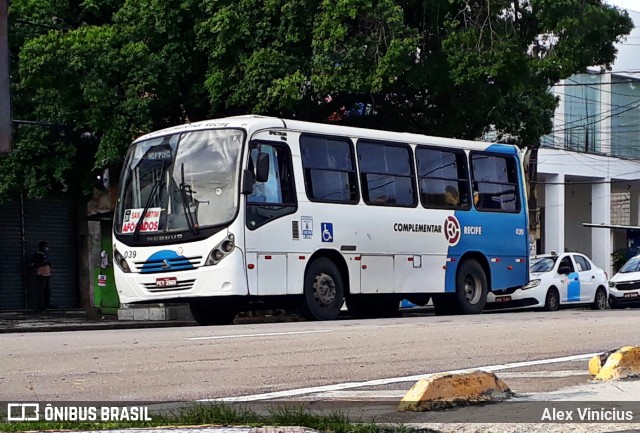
<point x="253" y="123"/>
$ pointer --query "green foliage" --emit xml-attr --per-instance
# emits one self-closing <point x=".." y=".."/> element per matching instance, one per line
<point x="619" y="258"/>
<point x="91" y="76"/>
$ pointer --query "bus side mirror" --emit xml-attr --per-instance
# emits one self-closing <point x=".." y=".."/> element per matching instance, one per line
<point x="262" y="167"/>
<point x="248" y="181"/>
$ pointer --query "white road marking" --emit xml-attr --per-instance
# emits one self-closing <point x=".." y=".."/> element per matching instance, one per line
<point x="377" y="382"/>
<point x="366" y="395"/>
<point x="266" y="334"/>
<point x="559" y="373"/>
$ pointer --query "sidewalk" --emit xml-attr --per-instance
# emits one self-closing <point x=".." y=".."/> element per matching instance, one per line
<point x="19" y="321"/>
<point x="74" y="320"/>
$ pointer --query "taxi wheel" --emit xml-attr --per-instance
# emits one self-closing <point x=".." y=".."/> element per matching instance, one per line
<point x="600" y="301"/>
<point x="552" y="301"/>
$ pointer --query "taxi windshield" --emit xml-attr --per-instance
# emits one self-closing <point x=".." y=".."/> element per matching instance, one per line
<point x="543" y="264"/>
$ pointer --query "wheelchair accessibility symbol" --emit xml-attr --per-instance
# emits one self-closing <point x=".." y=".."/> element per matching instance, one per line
<point x="327" y="232"/>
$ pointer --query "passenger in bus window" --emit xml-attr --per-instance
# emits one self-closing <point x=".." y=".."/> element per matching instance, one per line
<point x="451" y="197"/>
<point x="476" y="198"/>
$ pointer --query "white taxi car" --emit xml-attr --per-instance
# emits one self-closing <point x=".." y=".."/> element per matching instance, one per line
<point x="556" y="280"/>
<point x="624" y="287"/>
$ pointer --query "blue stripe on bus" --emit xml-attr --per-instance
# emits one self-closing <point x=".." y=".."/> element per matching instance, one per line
<point x="164" y="261"/>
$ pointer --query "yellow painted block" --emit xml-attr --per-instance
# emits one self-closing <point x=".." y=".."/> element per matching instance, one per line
<point x="595" y="365"/>
<point x="622" y="363"/>
<point x="446" y="389"/>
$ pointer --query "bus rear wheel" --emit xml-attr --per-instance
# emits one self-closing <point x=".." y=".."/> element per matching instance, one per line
<point x="210" y="312"/>
<point x="323" y="291"/>
<point x="471" y="287"/>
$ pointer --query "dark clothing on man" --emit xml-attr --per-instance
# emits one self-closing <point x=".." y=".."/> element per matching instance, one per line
<point x="43" y="292"/>
<point x="42" y="266"/>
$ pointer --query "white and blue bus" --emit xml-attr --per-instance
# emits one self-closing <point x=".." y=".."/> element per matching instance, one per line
<point x="247" y="211"/>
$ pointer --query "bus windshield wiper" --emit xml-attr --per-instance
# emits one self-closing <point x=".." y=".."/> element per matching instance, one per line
<point x="192" y="221"/>
<point x="152" y="194"/>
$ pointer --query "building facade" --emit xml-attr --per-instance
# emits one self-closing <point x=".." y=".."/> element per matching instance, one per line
<point x="589" y="166"/>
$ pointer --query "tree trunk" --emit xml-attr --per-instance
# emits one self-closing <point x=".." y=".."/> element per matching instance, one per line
<point x="531" y="181"/>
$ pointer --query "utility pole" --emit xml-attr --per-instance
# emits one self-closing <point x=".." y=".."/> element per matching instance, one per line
<point x="5" y="86"/>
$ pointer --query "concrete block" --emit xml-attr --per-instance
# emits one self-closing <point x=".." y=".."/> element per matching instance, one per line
<point x="154" y="312"/>
<point x="157" y="313"/>
<point x="141" y="313"/>
<point x="618" y="364"/>
<point x="125" y="313"/>
<point x="450" y="389"/>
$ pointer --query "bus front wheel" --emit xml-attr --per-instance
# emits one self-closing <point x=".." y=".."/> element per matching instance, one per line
<point x="209" y="312"/>
<point x="323" y="291"/>
<point x="471" y="287"/>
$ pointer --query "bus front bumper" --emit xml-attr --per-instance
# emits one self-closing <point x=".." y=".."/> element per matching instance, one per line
<point x="227" y="278"/>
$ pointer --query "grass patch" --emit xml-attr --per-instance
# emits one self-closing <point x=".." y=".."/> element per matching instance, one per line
<point x="219" y="414"/>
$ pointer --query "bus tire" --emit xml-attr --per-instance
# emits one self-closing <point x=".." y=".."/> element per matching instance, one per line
<point x="208" y="312"/>
<point x="323" y="291"/>
<point x="471" y="287"/>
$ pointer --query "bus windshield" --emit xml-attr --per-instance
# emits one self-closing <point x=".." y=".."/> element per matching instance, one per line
<point x="181" y="182"/>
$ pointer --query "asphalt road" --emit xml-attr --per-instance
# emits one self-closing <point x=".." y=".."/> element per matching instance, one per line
<point x="189" y="363"/>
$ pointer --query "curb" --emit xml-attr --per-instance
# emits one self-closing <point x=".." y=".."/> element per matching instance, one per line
<point x="616" y="364"/>
<point x="450" y="389"/>
<point x="18" y="324"/>
<point x="91" y="326"/>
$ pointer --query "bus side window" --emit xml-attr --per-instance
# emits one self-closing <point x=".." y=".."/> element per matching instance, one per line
<point x="329" y="169"/>
<point x="275" y="190"/>
<point x="495" y="177"/>
<point x="275" y="197"/>
<point x="386" y="174"/>
<point x="443" y="178"/>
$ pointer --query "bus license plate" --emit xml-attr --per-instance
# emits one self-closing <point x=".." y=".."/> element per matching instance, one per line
<point x="166" y="282"/>
<point x="631" y="295"/>
<point x="503" y="298"/>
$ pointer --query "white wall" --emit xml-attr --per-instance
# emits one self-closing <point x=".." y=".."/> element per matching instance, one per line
<point x="577" y="211"/>
<point x="570" y="183"/>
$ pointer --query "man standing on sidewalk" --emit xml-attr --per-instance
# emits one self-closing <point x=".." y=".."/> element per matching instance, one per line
<point x="42" y="266"/>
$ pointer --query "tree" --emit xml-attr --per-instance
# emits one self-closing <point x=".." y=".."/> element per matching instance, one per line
<point x="441" y="67"/>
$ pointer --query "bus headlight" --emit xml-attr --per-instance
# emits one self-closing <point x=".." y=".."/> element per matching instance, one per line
<point x="122" y="263"/>
<point x="221" y="250"/>
<point x="531" y="284"/>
